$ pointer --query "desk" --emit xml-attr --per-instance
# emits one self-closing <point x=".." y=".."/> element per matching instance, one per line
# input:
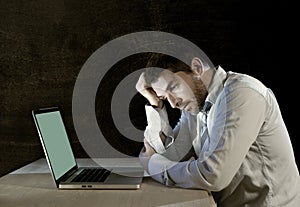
<point x="32" y="185"/>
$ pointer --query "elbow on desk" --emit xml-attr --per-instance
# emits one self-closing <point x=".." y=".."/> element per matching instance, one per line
<point x="213" y="185"/>
<point x="211" y="180"/>
<point x="217" y="185"/>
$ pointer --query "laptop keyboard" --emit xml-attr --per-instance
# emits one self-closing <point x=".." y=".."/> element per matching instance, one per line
<point x="92" y="175"/>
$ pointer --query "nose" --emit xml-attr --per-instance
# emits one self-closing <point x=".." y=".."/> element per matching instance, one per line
<point x="174" y="102"/>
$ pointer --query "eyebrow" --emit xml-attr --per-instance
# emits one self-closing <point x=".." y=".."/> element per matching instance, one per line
<point x="169" y="85"/>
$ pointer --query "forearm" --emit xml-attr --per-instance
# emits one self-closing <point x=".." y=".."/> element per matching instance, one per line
<point x="180" y="174"/>
<point x="158" y="130"/>
<point x="172" y="143"/>
<point x="187" y="174"/>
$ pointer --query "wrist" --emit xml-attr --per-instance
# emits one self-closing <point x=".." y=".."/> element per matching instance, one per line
<point x="159" y="104"/>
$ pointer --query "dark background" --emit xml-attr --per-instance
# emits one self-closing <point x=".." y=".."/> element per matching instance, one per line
<point x="43" y="45"/>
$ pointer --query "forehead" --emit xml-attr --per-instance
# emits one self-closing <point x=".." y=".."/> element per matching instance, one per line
<point x="165" y="78"/>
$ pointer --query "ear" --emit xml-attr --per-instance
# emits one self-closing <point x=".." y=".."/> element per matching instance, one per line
<point x="197" y="66"/>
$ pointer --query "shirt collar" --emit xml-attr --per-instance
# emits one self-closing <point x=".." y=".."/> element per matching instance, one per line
<point x="217" y="84"/>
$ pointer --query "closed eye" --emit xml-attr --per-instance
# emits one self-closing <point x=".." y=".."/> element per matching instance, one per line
<point x="162" y="97"/>
<point x="173" y="87"/>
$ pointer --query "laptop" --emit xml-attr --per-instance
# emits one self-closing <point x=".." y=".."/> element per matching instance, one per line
<point x="62" y="163"/>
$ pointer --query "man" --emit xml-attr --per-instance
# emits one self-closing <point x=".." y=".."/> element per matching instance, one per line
<point x="230" y="139"/>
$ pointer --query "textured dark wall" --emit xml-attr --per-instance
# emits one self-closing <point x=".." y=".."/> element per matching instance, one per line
<point x="43" y="45"/>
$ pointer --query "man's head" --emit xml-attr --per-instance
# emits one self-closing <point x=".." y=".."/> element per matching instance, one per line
<point x="180" y="84"/>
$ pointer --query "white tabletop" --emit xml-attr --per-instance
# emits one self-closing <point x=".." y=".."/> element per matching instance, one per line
<point x="32" y="185"/>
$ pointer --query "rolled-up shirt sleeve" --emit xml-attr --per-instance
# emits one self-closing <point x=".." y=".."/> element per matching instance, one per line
<point x="235" y="124"/>
<point x="178" y="140"/>
<point x="158" y="123"/>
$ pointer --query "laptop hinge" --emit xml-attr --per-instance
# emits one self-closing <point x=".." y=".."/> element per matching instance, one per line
<point x="68" y="174"/>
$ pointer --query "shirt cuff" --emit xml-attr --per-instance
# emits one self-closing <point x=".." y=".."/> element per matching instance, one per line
<point x="158" y="122"/>
<point x="158" y="169"/>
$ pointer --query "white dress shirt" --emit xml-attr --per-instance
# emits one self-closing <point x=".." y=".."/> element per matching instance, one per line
<point x="247" y="158"/>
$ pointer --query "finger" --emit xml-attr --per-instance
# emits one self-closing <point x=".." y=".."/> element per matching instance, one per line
<point x="141" y="83"/>
<point x="146" y="144"/>
<point x="149" y="148"/>
<point x="143" y="149"/>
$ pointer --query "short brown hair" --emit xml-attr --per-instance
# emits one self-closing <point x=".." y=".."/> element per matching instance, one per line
<point x="158" y="62"/>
